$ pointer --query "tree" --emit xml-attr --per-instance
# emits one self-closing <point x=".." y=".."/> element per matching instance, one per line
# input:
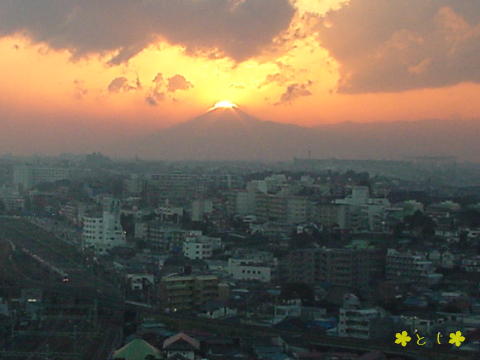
<point x="301" y="241"/>
<point x="428" y="228"/>
<point x="470" y="217"/>
<point x="141" y="244"/>
<point x="419" y="222"/>
<point x="297" y="291"/>
<point x="398" y="229"/>
<point x="128" y="224"/>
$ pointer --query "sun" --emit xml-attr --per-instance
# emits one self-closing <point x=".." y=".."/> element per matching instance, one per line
<point x="224" y="104"/>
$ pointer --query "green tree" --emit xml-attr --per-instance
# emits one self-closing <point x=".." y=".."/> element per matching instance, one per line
<point x="297" y="291"/>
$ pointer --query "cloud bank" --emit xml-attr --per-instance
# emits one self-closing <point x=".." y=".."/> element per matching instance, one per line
<point x="389" y="45"/>
<point x="238" y="29"/>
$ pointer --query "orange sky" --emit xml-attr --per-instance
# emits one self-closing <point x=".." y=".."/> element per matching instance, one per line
<point x="296" y="78"/>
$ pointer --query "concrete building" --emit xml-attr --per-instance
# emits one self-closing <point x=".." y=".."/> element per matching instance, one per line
<point x="364" y="214"/>
<point x="104" y="232"/>
<point x="260" y="266"/>
<point x="134" y="185"/>
<point x="329" y="214"/>
<point x="176" y="187"/>
<point x="74" y="212"/>
<point x="169" y="214"/>
<point x="198" y="246"/>
<point x="187" y="292"/>
<point x="350" y="267"/>
<point x="159" y="236"/>
<point x="358" y="323"/>
<point x="243" y="202"/>
<point x="201" y="208"/>
<point x="26" y="176"/>
<point x="407" y="267"/>
<point x="12" y="199"/>
<point x="282" y="208"/>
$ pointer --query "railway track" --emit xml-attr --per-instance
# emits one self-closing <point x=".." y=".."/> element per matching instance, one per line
<point x="63" y="258"/>
<point x="42" y="261"/>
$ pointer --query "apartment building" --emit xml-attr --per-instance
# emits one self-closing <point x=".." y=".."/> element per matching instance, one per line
<point x="102" y="232"/>
<point x="358" y="323"/>
<point x="73" y="212"/>
<point x="408" y="267"/>
<point x="187" y="292"/>
<point x="350" y="267"/>
<point x="26" y="176"/>
<point x="201" y="208"/>
<point x="160" y="236"/>
<point x="198" y="246"/>
<point x="259" y="266"/>
<point x="363" y="213"/>
<point x="282" y="208"/>
<point x="329" y="214"/>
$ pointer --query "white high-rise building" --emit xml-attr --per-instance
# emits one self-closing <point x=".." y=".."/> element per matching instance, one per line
<point x="104" y="232"/>
<point x="363" y="212"/>
<point x="198" y="246"/>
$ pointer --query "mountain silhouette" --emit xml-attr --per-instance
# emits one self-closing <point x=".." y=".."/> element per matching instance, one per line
<point x="225" y="134"/>
<point x="232" y="134"/>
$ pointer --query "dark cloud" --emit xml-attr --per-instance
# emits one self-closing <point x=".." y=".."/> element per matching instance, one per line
<point x="156" y="93"/>
<point x="278" y="78"/>
<point x="120" y="84"/>
<point x="178" y="82"/>
<point x="295" y="91"/>
<point x="151" y="100"/>
<point x="385" y="45"/>
<point x="158" y="79"/>
<point x="238" y="29"/>
<point x="160" y="87"/>
<point x="80" y="91"/>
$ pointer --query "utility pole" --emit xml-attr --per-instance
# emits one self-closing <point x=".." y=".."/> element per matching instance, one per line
<point x="95" y="312"/>
<point x="75" y="338"/>
<point x="47" y="352"/>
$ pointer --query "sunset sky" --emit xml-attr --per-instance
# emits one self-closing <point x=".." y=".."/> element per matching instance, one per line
<point x="78" y="72"/>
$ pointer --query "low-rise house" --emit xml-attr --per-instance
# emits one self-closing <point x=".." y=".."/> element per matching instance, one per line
<point x="181" y="347"/>
<point x="471" y="264"/>
<point x="216" y="310"/>
<point x="140" y="281"/>
<point x="260" y="266"/>
<point x="137" y="349"/>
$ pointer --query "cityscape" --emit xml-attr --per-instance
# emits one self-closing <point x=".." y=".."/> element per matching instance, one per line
<point x="240" y="180"/>
<point x="296" y="260"/>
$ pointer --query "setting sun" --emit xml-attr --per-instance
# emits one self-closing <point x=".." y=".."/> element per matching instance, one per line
<point x="225" y="104"/>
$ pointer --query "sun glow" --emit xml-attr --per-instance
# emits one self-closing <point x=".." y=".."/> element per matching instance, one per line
<point x="225" y="104"/>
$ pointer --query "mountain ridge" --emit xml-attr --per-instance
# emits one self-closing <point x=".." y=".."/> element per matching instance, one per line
<point x="232" y="134"/>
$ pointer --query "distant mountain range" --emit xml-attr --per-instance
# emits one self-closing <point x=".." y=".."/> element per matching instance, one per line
<point x="232" y="134"/>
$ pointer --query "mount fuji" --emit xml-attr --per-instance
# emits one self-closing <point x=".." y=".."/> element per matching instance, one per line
<point x="225" y="134"/>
